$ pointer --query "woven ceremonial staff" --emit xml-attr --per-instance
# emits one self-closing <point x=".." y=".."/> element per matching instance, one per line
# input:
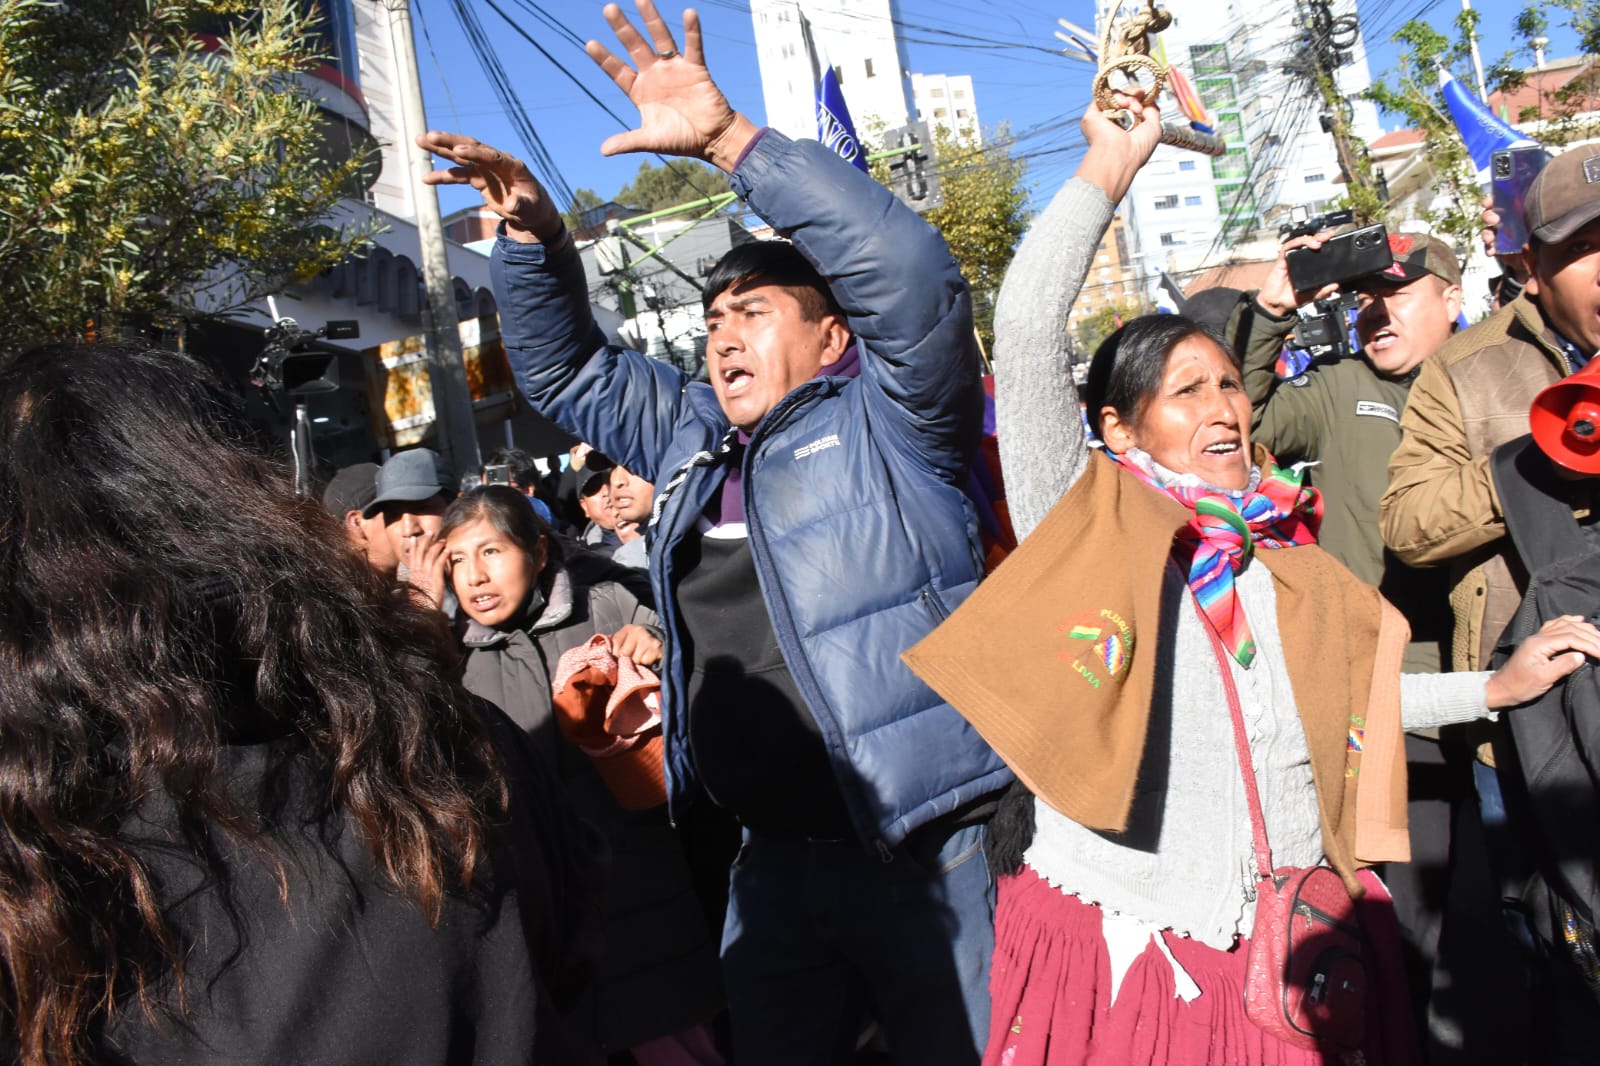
<point x="1126" y="49"/>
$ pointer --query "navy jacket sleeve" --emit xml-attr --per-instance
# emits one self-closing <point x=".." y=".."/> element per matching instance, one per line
<point x="892" y="273"/>
<point x="624" y="403"/>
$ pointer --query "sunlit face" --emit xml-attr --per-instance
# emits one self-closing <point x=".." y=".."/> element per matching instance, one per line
<point x="1197" y="421"/>
<point x="596" y="507"/>
<point x="760" y="347"/>
<point x="1565" y="277"/>
<point x="491" y="575"/>
<point x="1401" y="325"/>
<point x="406" y="522"/>
<point x="631" y="495"/>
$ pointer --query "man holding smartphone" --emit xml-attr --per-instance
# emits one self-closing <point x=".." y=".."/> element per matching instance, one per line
<point x="1345" y="415"/>
<point x="1440" y="508"/>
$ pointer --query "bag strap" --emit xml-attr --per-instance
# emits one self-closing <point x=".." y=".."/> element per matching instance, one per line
<point x="1241" y="743"/>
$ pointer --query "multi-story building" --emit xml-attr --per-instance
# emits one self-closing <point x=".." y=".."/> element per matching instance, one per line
<point x="1185" y="210"/>
<point x="856" y="37"/>
<point x="1112" y="281"/>
<point x="947" y="102"/>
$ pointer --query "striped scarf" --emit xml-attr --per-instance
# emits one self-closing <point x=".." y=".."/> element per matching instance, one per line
<point x="1227" y="527"/>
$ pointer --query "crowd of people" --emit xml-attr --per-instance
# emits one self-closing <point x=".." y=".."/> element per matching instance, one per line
<point x="722" y="738"/>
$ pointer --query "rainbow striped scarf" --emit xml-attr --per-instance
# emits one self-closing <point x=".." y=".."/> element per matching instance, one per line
<point x="1279" y="512"/>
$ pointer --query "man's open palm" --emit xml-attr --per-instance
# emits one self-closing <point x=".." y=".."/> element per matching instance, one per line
<point x="681" y="110"/>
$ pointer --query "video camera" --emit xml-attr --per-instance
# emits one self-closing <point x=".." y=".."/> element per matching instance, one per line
<point x="1306" y="226"/>
<point x="1326" y="334"/>
<point x="293" y="363"/>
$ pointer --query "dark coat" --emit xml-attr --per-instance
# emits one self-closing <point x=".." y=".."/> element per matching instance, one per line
<point x="861" y="534"/>
<point x="346" y="970"/>
<point x="658" y="970"/>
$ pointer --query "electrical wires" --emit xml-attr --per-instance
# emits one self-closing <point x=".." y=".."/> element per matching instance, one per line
<point x="541" y="162"/>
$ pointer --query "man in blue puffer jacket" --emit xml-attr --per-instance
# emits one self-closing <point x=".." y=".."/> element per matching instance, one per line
<point x="809" y="526"/>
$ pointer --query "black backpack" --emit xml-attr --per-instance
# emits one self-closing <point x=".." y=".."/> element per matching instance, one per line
<point x="1552" y="784"/>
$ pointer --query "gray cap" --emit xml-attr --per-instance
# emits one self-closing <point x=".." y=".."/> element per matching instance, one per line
<point x="410" y="476"/>
<point x="352" y="489"/>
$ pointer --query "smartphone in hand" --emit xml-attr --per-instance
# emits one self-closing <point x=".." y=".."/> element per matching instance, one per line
<point x="1511" y="173"/>
<point x="1341" y="259"/>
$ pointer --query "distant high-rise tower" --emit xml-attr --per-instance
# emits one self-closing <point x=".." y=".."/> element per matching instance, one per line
<point x="948" y="103"/>
<point x="857" y="37"/>
<point x="1186" y="210"/>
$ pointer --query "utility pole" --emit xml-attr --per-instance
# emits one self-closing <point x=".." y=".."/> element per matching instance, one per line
<point x="1477" y="60"/>
<point x="1327" y="42"/>
<point x="454" y="425"/>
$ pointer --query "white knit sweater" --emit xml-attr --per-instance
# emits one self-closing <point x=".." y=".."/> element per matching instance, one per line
<point x="1185" y="861"/>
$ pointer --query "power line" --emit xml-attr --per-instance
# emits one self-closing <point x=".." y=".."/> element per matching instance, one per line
<point x="540" y="159"/>
<point x="683" y="173"/>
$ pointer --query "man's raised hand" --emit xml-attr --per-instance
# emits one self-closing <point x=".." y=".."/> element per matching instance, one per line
<point x="508" y="187"/>
<point x="681" y="110"/>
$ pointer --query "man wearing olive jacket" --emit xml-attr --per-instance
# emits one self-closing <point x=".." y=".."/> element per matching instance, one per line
<point x="1345" y="415"/>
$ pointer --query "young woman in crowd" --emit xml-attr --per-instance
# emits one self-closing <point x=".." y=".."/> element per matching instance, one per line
<point x="247" y="816"/>
<point x="1129" y="894"/>
<point x="526" y="606"/>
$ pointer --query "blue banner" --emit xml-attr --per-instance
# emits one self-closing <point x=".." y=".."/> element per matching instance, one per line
<point x="1482" y="132"/>
<point x="834" y="128"/>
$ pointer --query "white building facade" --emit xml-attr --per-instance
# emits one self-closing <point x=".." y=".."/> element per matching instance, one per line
<point x="947" y="102"/>
<point x="1185" y="210"/>
<point x="856" y="37"/>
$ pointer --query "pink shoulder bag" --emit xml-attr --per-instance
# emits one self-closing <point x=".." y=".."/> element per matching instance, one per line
<point x="1306" y="978"/>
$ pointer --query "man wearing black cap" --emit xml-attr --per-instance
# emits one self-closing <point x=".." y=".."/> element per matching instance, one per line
<point x="594" y="500"/>
<point x="346" y="498"/>
<point x="1345" y="415"/>
<point x="413" y="489"/>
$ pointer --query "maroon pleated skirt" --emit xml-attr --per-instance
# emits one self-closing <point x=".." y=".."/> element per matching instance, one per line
<point x="1050" y="986"/>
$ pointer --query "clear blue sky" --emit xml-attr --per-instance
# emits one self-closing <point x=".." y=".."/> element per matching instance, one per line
<point x="1017" y="78"/>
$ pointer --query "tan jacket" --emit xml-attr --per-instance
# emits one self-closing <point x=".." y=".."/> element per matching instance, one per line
<point x="1071" y="717"/>
<point x="1469" y="398"/>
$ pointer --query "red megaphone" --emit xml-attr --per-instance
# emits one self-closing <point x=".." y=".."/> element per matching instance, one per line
<point x="1566" y="421"/>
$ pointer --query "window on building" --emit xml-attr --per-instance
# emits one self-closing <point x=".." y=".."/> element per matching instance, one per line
<point x="940" y="112"/>
<point x="1186" y="164"/>
<point x="1170" y="240"/>
<point x="1162" y="203"/>
<point x="1191" y="201"/>
<point x="869" y="68"/>
<point x="938" y="93"/>
<point x="1217" y="92"/>
<point x="961" y="94"/>
<point x="1209" y="59"/>
<point x="1312" y="179"/>
<point x="1233" y="164"/>
<point x="961" y="113"/>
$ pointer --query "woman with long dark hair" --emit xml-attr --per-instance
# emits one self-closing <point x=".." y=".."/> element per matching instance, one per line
<point x="531" y="608"/>
<point x="247" y="815"/>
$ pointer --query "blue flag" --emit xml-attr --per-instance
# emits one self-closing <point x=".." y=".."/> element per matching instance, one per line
<point x="1481" y="131"/>
<point x="834" y="128"/>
